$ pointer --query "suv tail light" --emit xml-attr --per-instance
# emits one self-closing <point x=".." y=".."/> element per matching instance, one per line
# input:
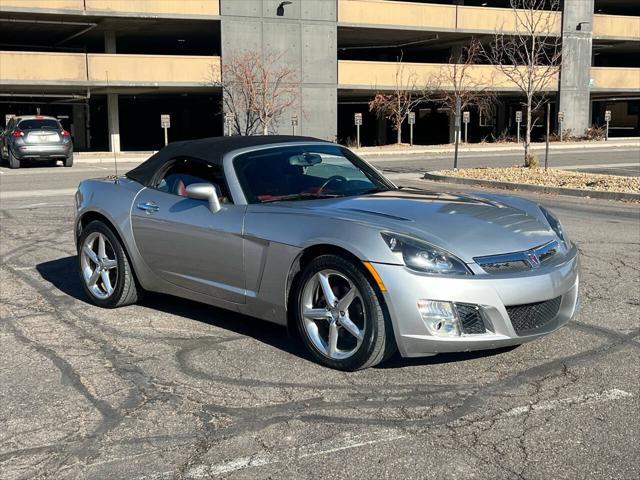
<point x="65" y="133"/>
<point x="17" y="133"/>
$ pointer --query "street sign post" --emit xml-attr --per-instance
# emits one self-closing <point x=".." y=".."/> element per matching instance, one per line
<point x="607" y="118"/>
<point x="228" y="120"/>
<point x="466" y="118"/>
<point x="412" y="121"/>
<point x="519" y="121"/>
<point x="294" y="123"/>
<point x="560" y="121"/>
<point x="357" y="119"/>
<point x="165" y="123"/>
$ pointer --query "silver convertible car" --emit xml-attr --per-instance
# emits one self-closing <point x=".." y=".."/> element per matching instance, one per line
<point x="304" y="233"/>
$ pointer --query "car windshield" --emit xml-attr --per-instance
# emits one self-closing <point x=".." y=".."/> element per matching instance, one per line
<point x="39" y="124"/>
<point x="305" y="172"/>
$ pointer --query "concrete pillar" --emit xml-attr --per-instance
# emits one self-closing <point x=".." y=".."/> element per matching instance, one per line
<point x="113" y="114"/>
<point x="110" y="42"/>
<point x="79" y="128"/>
<point x="381" y="130"/>
<point x="114" y="122"/>
<point x="575" y="76"/>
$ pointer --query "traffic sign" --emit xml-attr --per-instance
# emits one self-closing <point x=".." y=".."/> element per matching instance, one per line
<point x="560" y="116"/>
<point x="357" y="119"/>
<point x="607" y="116"/>
<point x="412" y="118"/>
<point x="294" y="120"/>
<point x="519" y="116"/>
<point x="165" y="120"/>
<point x="466" y="117"/>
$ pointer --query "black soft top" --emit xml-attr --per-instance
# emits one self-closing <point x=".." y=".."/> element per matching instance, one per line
<point x="208" y="149"/>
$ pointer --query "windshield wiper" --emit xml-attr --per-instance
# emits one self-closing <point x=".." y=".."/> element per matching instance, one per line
<point x="300" y="196"/>
<point x="372" y="190"/>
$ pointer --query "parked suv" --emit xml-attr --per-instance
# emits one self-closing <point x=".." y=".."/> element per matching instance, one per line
<point x="35" y="137"/>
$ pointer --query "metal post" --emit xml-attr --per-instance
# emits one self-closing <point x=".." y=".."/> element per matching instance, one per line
<point x="457" y="132"/>
<point x="607" y="118"/>
<point x="357" y="120"/>
<point x="412" y="121"/>
<point x="546" y="148"/>
<point x="166" y="136"/>
<point x="606" y="133"/>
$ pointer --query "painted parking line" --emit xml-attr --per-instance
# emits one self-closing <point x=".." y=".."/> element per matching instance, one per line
<point x="351" y="442"/>
<point x="57" y="192"/>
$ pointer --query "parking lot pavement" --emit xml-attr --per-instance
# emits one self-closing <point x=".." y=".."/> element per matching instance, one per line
<point x="174" y="389"/>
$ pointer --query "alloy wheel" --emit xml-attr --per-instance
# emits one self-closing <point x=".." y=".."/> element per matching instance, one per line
<point x="99" y="265"/>
<point x="333" y="314"/>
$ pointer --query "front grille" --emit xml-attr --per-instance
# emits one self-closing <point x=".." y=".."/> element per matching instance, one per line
<point x="533" y="316"/>
<point x="518" y="261"/>
<point x="470" y="318"/>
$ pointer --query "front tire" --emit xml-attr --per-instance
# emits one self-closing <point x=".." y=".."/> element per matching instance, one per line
<point x="105" y="272"/>
<point x="340" y="315"/>
<point x="13" y="161"/>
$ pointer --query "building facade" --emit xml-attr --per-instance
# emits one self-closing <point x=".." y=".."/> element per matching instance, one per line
<point x="109" y="68"/>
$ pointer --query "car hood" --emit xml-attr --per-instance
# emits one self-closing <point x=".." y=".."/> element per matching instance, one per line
<point x="466" y="225"/>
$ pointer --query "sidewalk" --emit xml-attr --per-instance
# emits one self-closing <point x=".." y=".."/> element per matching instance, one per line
<point x="395" y="150"/>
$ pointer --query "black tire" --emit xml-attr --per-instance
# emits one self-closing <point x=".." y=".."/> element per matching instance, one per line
<point x="378" y="343"/>
<point x="13" y="161"/>
<point x="125" y="291"/>
<point x="68" y="162"/>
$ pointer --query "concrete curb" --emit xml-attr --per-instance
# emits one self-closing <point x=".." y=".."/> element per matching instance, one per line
<point x="495" y="148"/>
<point x="573" y="192"/>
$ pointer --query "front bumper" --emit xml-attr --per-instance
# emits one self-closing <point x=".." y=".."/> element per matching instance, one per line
<point x="492" y="293"/>
<point x="42" y="151"/>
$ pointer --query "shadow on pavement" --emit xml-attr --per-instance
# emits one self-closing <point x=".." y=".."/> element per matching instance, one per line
<point x="62" y="274"/>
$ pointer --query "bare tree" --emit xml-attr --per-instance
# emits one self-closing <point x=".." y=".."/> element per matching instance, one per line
<point x="529" y="56"/>
<point x="458" y="81"/>
<point x="405" y="95"/>
<point x="257" y="90"/>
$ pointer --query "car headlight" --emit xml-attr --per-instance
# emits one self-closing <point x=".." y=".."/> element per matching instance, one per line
<point x="556" y="226"/>
<point x="424" y="257"/>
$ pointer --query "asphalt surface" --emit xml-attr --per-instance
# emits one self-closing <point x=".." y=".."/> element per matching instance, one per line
<point x="174" y="389"/>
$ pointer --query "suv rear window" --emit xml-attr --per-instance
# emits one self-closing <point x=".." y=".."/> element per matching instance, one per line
<point x="44" y="124"/>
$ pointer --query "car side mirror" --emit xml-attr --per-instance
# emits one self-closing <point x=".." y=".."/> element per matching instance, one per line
<point x="205" y="191"/>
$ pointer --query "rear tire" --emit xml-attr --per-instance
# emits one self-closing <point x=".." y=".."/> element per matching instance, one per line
<point x="68" y="162"/>
<point x="354" y="335"/>
<point x="105" y="272"/>
<point x="13" y="161"/>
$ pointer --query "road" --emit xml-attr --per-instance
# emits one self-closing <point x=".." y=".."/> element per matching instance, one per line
<point x="174" y="389"/>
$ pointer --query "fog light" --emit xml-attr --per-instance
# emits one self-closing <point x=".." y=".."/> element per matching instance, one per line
<point x="440" y="318"/>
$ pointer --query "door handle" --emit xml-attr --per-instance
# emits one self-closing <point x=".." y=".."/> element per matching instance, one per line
<point x="148" y="207"/>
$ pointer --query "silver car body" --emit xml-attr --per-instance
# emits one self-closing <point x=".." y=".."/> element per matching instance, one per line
<point x="243" y="257"/>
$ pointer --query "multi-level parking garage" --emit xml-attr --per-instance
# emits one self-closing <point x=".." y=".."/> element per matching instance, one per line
<point x="109" y="68"/>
